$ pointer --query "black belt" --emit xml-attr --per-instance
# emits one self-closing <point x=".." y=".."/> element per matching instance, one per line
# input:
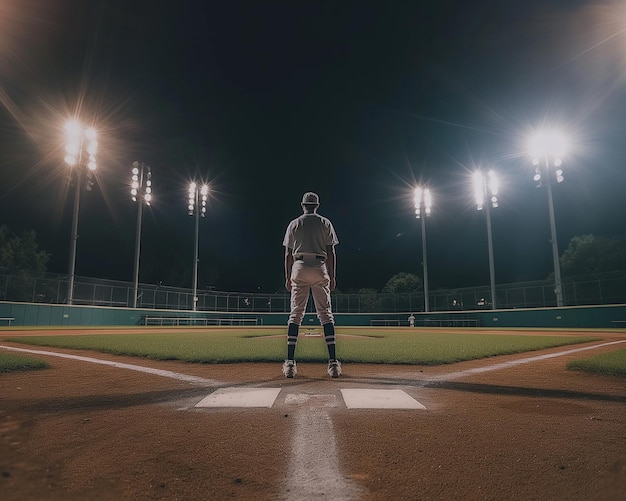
<point x="318" y="257"/>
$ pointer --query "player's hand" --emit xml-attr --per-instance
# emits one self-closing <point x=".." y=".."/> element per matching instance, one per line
<point x="332" y="284"/>
<point x="288" y="284"/>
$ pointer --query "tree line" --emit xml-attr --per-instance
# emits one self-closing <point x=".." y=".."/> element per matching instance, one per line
<point x="20" y="254"/>
<point x="584" y="255"/>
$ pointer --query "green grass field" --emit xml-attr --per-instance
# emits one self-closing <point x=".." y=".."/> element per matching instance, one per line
<point x="613" y="363"/>
<point x="17" y="363"/>
<point x="381" y="346"/>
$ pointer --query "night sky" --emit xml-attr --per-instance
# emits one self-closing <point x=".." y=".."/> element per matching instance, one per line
<point x="358" y="101"/>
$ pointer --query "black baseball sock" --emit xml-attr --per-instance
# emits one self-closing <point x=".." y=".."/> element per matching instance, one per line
<point x="329" y="335"/>
<point x="292" y="339"/>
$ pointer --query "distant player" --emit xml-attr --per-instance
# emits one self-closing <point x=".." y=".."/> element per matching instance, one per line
<point x="310" y="264"/>
<point x="412" y="320"/>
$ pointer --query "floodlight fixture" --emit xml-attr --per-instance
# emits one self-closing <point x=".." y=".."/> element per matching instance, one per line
<point x="204" y="193"/>
<point x="141" y="182"/>
<point x="197" y="198"/>
<point x="73" y="128"/>
<point x="479" y="191"/>
<point x="493" y="187"/>
<point x="141" y="192"/>
<point x="79" y="139"/>
<point x="428" y="201"/>
<point x="92" y="147"/>
<point x="547" y="149"/>
<point x="80" y="150"/>
<point x="486" y="186"/>
<point x="548" y="143"/>
<point x="423" y="201"/>
<point x="91" y="134"/>
<point x="559" y="175"/>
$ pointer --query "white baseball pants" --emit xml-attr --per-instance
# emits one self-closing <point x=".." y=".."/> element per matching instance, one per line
<point x="310" y="275"/>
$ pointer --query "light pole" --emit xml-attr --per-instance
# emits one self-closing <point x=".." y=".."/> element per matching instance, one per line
<point x="196" y="205"/>
<point x="487" y="186"/>
<point x="423" y="204"/>
<point x="546" y="148"/>
<point x="81" y="143"/>
<point x="141" y="192"/>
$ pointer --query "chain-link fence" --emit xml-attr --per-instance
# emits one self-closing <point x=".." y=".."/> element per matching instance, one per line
<point x="52" y="289"/>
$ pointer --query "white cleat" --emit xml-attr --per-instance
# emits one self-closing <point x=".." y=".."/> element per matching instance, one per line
<point x="334" y="368"/>
<point x="289" y="368"/>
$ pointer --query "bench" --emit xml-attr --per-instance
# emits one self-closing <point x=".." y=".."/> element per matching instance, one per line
<point x="616" y="323"/>
<point x="7" y="319"/>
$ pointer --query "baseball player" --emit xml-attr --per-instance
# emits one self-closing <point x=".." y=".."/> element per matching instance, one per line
<point x="310" y="264"/>
<point x="412" y="320"/>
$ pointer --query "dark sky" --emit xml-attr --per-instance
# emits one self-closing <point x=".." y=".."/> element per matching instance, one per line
<point x="358" y="101"/>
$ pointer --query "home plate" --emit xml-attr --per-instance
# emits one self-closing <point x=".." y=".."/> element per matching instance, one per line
<point x="240" y="397"/>
<point x="379" y="399"/>
<point x="311" y="400"/>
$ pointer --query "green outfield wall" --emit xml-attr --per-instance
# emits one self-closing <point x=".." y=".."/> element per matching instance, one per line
<point x="30" y="314"/>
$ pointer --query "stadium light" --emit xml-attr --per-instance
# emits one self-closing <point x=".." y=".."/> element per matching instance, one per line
<point x="141" y="192"/>
<point x="196" y="205"/>
<point x="487" y="186"/>
<point x="80" y="151"/>
<point x="547" y="148"/>
<point x="423" y="206"/>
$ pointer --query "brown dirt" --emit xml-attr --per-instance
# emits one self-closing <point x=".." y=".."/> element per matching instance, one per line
<point x="532" y="431"/>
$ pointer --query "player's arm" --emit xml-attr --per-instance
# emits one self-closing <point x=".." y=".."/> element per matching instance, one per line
<point x="288" y="266"/>
<point x="331" y="265"/>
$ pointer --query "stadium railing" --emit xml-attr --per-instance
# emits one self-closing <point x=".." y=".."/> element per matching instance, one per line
<point x="602" y="289"/>
<point x="384" y="322"/>
<point x="178" y="321"/>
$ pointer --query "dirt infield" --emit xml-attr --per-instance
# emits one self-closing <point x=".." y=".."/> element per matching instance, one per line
<point x="533" y="430"/>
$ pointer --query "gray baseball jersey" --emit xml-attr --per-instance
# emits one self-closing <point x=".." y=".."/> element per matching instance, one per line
<point x="309" y="234"/>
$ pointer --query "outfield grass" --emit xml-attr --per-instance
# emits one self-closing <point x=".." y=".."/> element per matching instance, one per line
<point x="16" y="363"/>
<point x="613" y="363"/>
<point x="384" y="346"/>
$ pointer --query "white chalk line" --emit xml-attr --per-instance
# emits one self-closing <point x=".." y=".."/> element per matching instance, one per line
<point x="119" y="365"/>
<point x="211" y="382"/>
<point x="512" y="363"/>
<point x="314" y="471"/>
